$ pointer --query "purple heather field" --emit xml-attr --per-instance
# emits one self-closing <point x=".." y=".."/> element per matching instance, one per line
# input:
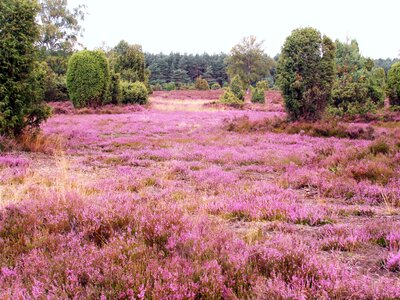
<point x="185" y="199"/>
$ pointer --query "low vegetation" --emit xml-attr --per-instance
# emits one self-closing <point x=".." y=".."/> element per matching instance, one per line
<point x="228" y="176"/>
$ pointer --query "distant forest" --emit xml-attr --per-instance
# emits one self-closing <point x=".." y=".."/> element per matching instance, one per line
<point x="183" y="69"/>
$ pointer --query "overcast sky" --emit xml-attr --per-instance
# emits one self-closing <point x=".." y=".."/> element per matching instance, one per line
<point x="215" y="26"/>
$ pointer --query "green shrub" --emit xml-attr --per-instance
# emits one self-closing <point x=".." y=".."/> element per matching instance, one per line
<point x="306" y="73"/>
<point x="229" y="98"/>
<point x="187" y="87"/>
<point x="359" y="87"/>
<point x="263" y="85"/>
<point x="129" y="61"/>
<point x="169" y="86"/>
<point x="393" y="84"/>
<point x="88" y="79"/>
<point x="376" y="86"/>
<point x="236" y="87"/>
<point x="201" y="84"/>
<point x="258" y="95"/>
<point x="55" y="85"/>
<point x="357" y="108"/>
<point x="157" y="87"/>
<point x="115" y="89"/>
<point x="21" y="76"/>
<point x="215" y="86"/>
<point x="135" y="92"/>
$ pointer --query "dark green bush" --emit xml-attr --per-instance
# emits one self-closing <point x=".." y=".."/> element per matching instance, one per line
<point x="305" y="73"/>
<point x="115" y="89"/>
<point x="376" y="86"/>
<point x="359" y="88"/>
<point x="135" y="92"/>
<point x="393" y="84"/>
<point x="21" y="76"/>
<point x="229" y="98"/>
<point x="236" y="86"/>
<point x="88" y="79"/>
<point x="201" y="84"/>
<point x="55" y="85"/>
<point x="258" y="95"/>
<point x="215" y="86"/>
<point x="129" y="61"/>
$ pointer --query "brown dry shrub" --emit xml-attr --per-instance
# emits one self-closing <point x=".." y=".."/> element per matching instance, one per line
<point x="37" y="142"/>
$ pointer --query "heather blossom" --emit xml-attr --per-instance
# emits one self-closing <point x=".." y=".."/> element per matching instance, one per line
<point x="169" y="204"/>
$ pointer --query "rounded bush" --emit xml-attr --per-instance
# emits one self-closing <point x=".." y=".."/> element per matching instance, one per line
<point x="229" y="98"/>
<point x="263" y="85"/>
<point x="157" y="87"/>
<point x="135" y="92"/>
<point x="215" y="86"/>
<point x="393" y="84"/>
<point x="258" y="95"/>
<point x="201" y="84"/>
<point x="169" y="86"/>
<point x="88" y="78"/>
<point x="306" y="73"/>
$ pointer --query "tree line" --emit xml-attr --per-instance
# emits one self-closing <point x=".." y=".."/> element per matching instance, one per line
<point x="184" y="69"/>
<point x="39" y="61"/>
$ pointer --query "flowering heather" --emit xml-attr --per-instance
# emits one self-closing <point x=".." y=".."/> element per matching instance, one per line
<point x="169" y="204"/>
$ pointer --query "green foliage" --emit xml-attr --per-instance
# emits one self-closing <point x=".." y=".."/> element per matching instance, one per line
<point x="185" y="68"/>
<point x="135" y="92"/>
<point x="189" y="86"/>
<point x="263" y="85"/>
<point x="54" y="85"/>
<point x="57" y="62"/>
<point x="385" y="63"/>
<point x="306" y="73"/>
<point x="393" y="84"/>
<point x="377" y="86"/>
<point x="358" y="84"/>
<point x="169" y="86"/>
<point x="157" y="87"/>
<point x="229" y="98"/>
<point x="180" y="76"/>
<point x="88" y="78"/>
<point x="248" y="61"/>
<point x="352" y="109"/>
<point x="215" y="86"/>
<point x="115" y="88"/>
<point x="129" y="61"/>
<point x="258" y="95"/>
<point x="21" y="76"/>
<point x="59" y="26"/>
<point x="236" y="87"/>
<point x="201" y="84"/>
